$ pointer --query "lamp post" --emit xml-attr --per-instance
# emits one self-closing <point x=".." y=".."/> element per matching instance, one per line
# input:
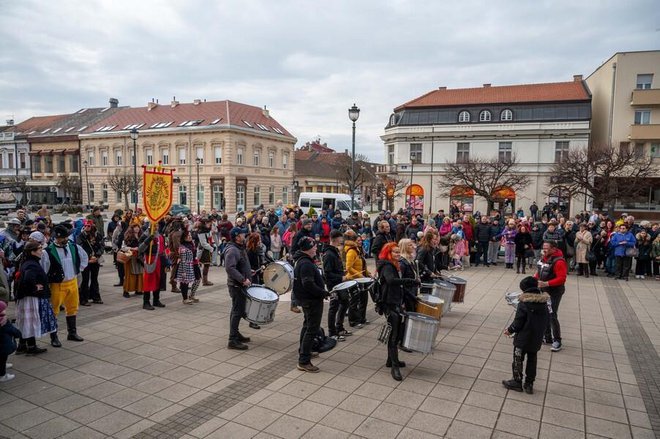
<point x="410" y="199"/>
<point x="198" y="162"/>
<point x="134" y="136"/>
<point x="353" y="115"/>
<point x="86" y="180"/>
<point x="337" y="180"/>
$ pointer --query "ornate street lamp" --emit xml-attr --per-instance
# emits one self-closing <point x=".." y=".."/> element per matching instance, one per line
<point x="198" y="161"/>
<point x="353" y="115"/>
<point x="412" y="167"/>
<point x="134" y="136"/>
<point x="87" y="181"/>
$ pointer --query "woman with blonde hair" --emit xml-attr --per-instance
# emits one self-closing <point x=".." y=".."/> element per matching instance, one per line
<point x="356" y="267"/>
<point x="409" y="271"/>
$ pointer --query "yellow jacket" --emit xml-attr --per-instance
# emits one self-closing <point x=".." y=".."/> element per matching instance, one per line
<point x="356" y="266"/>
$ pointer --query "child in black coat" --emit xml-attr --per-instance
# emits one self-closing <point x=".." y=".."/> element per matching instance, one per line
<point x="528" y="327"/>
<point x="8" y="336"/>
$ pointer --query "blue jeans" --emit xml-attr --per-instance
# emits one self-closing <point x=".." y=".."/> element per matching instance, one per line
<point x="610" y="264"/>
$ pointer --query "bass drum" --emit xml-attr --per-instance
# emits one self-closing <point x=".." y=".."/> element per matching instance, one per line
<point x="278" y="276"/>
<point x="260" y="304"/>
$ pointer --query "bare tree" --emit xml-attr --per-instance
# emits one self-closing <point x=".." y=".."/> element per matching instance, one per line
<point x="484" y="176"/>
<point x="20" y="187"/>
<point x="398" y="185"/>
<point x="124" y="183"/>
<point x="71" y="188"/>
<point x="605" y="173"/>
<point x="364" y="175"/>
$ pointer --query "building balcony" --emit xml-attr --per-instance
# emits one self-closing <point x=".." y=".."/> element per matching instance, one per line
<point x="645" y="132"/>
<point x="648" y="98"/>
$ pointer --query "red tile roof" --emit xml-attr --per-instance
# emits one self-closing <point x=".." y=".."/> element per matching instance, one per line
<point x="39" y="123"/>
<point x="507" y="94"/>
<point x="228" y="113"/>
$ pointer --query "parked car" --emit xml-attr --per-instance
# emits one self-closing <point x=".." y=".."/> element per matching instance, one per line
<point x="178" y="209"/>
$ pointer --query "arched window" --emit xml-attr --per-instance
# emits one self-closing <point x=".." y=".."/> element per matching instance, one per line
<point x="463" y="116"/>
<point x="484" y="116"/>
<point x="506" y="115"/>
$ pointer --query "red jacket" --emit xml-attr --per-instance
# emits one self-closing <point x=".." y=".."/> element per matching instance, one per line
<point x="560" y="269"/>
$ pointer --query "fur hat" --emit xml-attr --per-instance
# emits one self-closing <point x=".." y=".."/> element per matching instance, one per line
<point x="529" y="285"/>
<point x="61" y="231"/>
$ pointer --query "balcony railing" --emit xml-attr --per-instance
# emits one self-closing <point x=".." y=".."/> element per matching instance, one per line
<point x="649" y="97"/>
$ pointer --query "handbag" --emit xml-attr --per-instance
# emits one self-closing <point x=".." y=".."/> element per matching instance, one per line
<point x="591" y="256"/>
<point x="529" y="253"/>
<point x="632" y="252"/>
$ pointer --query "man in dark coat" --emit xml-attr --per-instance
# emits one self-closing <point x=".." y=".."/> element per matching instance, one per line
<point x="483" y="233"/>
<point x="333" y="271"/>
<point x="310" y="291"/>
<point x="528" y="327"/>
<point x="383" y="236"/>
<point x="239" y="274"/>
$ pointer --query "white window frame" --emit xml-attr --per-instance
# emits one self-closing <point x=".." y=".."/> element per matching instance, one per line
<point x="256" y="158"/>
<point x="644" y="85"/>
<point x="200" y="154"/>
<point x="485" y="116"/>
<point x="505" y="151"/>
<point x="104" y="157"/>
<point x="104" y="192"/>
<point x="285" y="160"/>
<point x="92" y="195"/>
<point x="182" y="156"/>
<point x="183" y="195"/>
<point x="642" y="117"/>
<point x="239" y="156"/>
<point x="240" y="197"/>
<point x="417" y="150"/>
<point x="561" y="150"/>
<point x="90" y="158"/>
<point x="271" y="159"/>
<point x="165" y="156"/>
<point x="257" y="195"/>
<point x="149" y="156"/>
<point x="462" y="152"/>
<point x="217" y="151"/>
<point x="285" y="195"/>
<point x="271" y="195"/>
<point x="506" y="115"/>
<point x="390" y="154"/>
<point x="464" y="116"/>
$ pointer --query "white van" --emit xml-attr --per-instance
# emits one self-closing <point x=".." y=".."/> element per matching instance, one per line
<point x="321" y="200"/>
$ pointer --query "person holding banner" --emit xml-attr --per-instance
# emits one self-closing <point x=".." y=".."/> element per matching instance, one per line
<point x="152" y="251"/>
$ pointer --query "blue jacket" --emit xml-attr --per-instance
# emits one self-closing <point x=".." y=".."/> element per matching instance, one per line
<point x="8" y="336"/>
<point x="616" y="242"/>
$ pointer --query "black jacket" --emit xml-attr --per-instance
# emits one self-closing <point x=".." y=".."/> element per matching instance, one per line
<point x="237" y="265"/>
<point x="333" y="269"/>
<point x="393" y="284"/>
<point x="426" y="261"/>
<point x="483" y="232"/>
<point x="30" y="274"/>
<point x="408" y="271"/>
<point x="379" y="241"/>
<point x="295" y="244"/>
<point x="537" y="237"/>
<point x="307" y="280"/>
<point x="522" y="240"/>
<point x="530" y="321"/>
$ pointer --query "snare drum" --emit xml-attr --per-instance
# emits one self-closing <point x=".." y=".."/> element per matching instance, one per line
<point x="345" y="289"/>
<point x="430" y="306"/>
<point x="445" y="291"/>
<point x="460" y="284"/>
<point x="278" y="276"/>
<point x="420" y="332"/>
<point x="364" y="283"/>
<point x="260" y="304"/>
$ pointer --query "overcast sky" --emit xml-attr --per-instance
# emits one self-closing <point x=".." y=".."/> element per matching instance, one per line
<point x="308" y="61"/>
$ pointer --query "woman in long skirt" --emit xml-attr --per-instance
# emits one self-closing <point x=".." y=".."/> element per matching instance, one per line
<point x="133" y="268"/>
<point x="34" y="314"/>
<point x="508" y="236"/>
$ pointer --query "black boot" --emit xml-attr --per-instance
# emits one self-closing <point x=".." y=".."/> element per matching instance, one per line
<point x="396" y="373"/>
<point x="243" y="339"/>
<point x="71" y="328"/>
<point x="513" y="385"/>
<point x="31" y="347"/>
<point x="146" y="301"/>
<point x="157" y="302"/>
<point x="529" y="388"/>
<point x="235" y="344"/>
<point x="54" y="340"/>
<point x="22" y="346"/>
<point x="388" y="363"/>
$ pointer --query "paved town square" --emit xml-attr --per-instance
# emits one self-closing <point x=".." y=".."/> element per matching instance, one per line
<point x="168" y="373"/>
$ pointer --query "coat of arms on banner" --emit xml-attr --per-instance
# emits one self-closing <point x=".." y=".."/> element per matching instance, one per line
<point x="157" y="191"/>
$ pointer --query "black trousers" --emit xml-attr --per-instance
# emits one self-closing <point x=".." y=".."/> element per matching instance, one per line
<point x="553" y="330"/>
<point x="336" y="314"/>
<point x="89" y="288"/>
<point x="396" y="322"/>
<point x="3" y="364"/>
<point x="237" y="311"/>
<point x="517" y="366"/>
<point x="482" y="251"/>
<point x="623" y="266"/>
<point x="313" y="312"/>
<point x="120" y="268"/>
<point x="357" y="307"/>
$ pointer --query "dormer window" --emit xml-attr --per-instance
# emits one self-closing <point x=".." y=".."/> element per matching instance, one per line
<point x="393" y="119"/>
<point x="506" y="115"/>
<point x="464" y="116"/>
<point x="484" y="116"/>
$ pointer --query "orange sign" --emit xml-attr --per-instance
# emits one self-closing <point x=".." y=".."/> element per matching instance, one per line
<point x="390" y="191"/>
<point x="504" y="192"/>
<point x="157" y="191"/>
<point x="414" y="190"/>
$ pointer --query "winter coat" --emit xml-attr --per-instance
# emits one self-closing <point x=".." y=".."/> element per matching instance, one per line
<point x="621" y="241"/>
<point x="468" y="231"/>
<point x="530" y="321"/>
<point x="307" y="280"/>
<point x="655" y="250"/>
<point x="483" y="232"/>
<point x="4" y="285"/>
<point x="356" y="266"/>
<point x="508" y="235"/>
<point x="445" y="229"/>
<point x="379" y="241"/>
<point x="32" y="273"/>
<point x="583" y="242"/>
<point x="522" y="240"/>
<point x="537" y="238"/>
<point x="644" y="247"/>
<point x="426" y="262"/>
<point x="392" y="285"/>
<point x="408" y="271"/>
<point x="411" y="231"/>
<point x="237" y="265"/>
<point x="185" y="272"/>
<point x="275" y="242"/>
<point x="333" y="268"/>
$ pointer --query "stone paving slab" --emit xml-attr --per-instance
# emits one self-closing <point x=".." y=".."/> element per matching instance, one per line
<point x="167" y="373"/>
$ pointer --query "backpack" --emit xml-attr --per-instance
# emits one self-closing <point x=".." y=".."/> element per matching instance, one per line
<point x="377" y="294"/>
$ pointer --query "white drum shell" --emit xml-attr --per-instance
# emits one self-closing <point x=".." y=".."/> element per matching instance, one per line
<point x="278" y="276"/>
<point x="420" y="332"/>
<point x="260" y="305"/>
<point x="441" y="290"/>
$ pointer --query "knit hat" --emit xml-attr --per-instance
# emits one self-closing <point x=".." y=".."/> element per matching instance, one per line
<point x="235" y="232"/>
<point x="38" y="237"/>
<point x="529" y="285"/>
<point x="306" y="221"/>
<point x="307" y="243"/>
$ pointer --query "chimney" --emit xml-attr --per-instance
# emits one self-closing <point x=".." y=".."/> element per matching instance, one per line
<point x="151" y="105"/>
<point x="10" y="122"/>
<point x="577" y="78"/>
<point x="114" y="102"/>
<point x="174" y="102"/>
<point x="486" y="85"/>
<point x="444" y="87"/>
<point x="266" y="112"/>
<point x="197" y="101"/>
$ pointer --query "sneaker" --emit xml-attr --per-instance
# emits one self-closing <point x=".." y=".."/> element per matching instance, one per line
<point x="642" y="277"/>
<point x="296" y="309"/>
<point x="8" y="377"/>
<point x="345" y="333"/>
<point x="195" y="300"/>
<point x="308" y="368"/>
<point x="556" y="346"/>
<point x="547" y="341"/>
<point x="9" y="365"/>
<point x="187" y="301"/>
<point x="339" y="337"/>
